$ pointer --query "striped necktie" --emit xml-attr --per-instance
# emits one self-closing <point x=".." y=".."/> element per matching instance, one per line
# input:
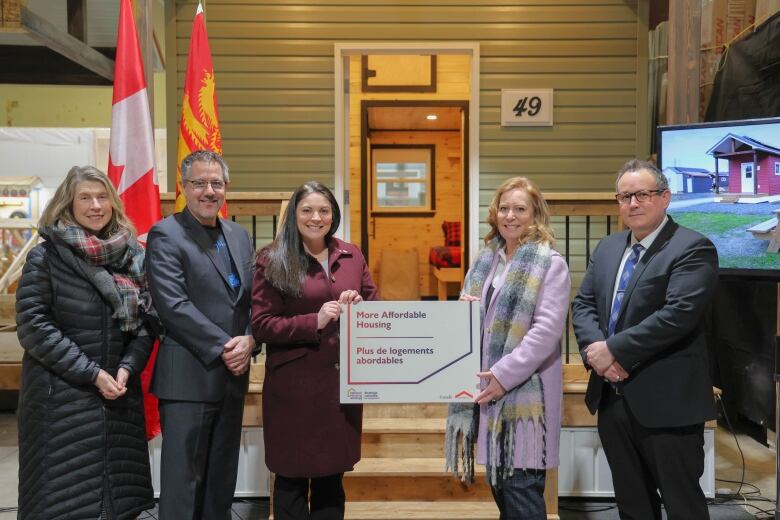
<point x="625" y="276"/>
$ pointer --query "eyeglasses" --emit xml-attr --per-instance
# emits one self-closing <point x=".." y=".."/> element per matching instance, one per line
<point x="640" y="196"/>
<point x="201" y="185"/>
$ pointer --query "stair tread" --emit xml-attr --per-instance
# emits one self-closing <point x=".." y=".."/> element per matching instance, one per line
<point x="421" y="510"/>
<point x="402" y="467"/>
<point x="403" y="425"/>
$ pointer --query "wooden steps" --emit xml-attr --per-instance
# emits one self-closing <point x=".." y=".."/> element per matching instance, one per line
<point x="405" y="411"/>
<point x="401" y="473"/>
<point x="410" y="479"/>
<point x="403" y="437"/>
<point x="421" y="510"/>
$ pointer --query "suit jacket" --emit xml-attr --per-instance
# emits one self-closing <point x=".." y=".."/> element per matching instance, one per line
<point x="659" y="337"/>
<point x="197" y="306"/>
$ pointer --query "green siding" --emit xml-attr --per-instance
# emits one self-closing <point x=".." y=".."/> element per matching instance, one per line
<point x="274" y="69"/>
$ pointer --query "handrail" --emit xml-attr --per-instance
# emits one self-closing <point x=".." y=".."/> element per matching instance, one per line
<point x="246" y="203"/>
<point x="569" y="204"/>
<point x="242" y="203"/>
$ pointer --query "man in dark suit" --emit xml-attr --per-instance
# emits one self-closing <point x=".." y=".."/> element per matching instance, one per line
<point x="200" y="275"/>
<point x="638" y="321"/>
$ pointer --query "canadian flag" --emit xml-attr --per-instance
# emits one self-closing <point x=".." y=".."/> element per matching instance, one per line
<point x="131" y="152"/>
<point x="131" y="160"/>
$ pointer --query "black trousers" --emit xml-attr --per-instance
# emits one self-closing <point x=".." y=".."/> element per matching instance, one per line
<point x="319" y="498"/>
<point x="199" y="465"/>
<point x="646" y="461"/>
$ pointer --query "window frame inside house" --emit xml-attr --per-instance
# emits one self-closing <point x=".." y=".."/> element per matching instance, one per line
<point x="399" y="155"/>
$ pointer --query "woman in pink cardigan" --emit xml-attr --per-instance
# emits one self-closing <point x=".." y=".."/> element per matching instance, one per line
<point x="523" y="287"/>
<point x="300" y="281"/>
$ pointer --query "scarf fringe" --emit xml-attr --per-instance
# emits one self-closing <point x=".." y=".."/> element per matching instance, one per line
<point x="501" y="447"/>
<point x="513" y="317"/>
<point x="460" y="423"/>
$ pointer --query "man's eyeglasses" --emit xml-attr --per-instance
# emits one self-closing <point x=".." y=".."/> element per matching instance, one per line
<point x="640" y="196"/>
<point x="201" y="185"/>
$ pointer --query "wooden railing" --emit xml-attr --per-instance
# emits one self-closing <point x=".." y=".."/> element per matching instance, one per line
<point x="246" y="207"/>
<point x="580" y="220"/>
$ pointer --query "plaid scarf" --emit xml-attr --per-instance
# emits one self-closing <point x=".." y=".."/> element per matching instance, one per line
<point x="114" y="265"/>
<point x="512" y="319"/>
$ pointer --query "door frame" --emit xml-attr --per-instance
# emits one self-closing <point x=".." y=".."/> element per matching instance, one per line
<point x="365" y="166"/>
<point x="341" y="53"/>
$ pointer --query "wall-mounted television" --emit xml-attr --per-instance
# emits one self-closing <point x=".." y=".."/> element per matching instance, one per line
<point x="725" y="183"/>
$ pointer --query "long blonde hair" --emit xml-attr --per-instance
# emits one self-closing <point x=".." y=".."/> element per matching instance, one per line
<point x="60" y="206"/>
<point x="539" y="230"/>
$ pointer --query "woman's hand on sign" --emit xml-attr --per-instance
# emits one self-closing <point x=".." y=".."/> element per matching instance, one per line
<point x="350" y="296"/>
<point x="329" y="311"/>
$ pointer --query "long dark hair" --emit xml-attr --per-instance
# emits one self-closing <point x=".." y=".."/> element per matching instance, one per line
<point x="287" y="259"/>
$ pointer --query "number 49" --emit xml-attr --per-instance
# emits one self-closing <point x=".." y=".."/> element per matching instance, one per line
<point x="534" y="106"/>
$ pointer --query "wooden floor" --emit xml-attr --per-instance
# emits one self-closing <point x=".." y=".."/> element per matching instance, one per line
<point x="421" y="510"/>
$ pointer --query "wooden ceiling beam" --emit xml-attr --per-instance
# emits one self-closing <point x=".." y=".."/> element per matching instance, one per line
<point x="77" y="19"/>
<point x="65" y="44"/>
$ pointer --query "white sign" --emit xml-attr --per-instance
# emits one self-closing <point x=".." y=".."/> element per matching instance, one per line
<point x="527" y="107"/>
<point x="409" y="352"/>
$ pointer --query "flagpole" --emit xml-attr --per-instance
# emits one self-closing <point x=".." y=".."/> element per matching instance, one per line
<point x="144" y="10"/>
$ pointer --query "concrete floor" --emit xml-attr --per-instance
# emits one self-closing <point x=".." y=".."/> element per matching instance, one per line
<point x="759" y="471"/>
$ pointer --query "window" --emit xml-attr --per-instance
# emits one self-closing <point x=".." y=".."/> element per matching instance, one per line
<point x="777" y="168"/>
<point x="402" y="178"/>
<point x="748" y="171"/>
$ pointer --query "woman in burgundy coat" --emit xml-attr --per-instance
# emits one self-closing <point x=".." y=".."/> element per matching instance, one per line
<point x="300" y="281"/>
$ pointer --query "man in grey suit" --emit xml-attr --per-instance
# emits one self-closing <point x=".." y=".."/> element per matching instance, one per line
<point x="638" y="318"/>
<point x="199" y="268"/>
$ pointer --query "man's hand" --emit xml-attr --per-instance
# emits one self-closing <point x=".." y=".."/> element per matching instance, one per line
<point x="493" y="392"/>
<point x="599" y="357"/>
<point x="615" y="373"/>
<point x="237" y="353"/>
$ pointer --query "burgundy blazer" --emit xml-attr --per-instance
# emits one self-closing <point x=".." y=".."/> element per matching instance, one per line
<point x="308" y="433"/>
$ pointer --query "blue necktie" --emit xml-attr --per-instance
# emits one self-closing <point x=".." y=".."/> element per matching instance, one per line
<point x="625" y="276"/>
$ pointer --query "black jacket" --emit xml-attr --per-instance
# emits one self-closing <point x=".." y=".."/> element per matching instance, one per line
<point x="75" y="448"/>
<point x="659" y="336"/>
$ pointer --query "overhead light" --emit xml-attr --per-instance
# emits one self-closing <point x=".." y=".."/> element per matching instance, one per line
<point x="431" y="117"/>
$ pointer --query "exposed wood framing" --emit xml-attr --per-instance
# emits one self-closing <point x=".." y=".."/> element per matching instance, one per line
<point x="684" y="45"/>
<point x="10" y="14"/>
<point x="77" y="19"/>
<point x="145" y="24"/>
<point x="65" y="44"/>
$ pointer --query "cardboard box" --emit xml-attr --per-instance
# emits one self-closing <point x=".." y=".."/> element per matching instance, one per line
<point x="765" y="9"/>
<point x="10" y="13"/>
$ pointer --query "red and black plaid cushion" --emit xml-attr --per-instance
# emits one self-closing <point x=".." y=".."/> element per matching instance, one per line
<point x="451" y="233"/>
<point x="445" y="256"/>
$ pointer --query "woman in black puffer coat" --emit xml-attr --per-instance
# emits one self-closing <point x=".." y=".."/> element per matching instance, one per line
<point x="82" y="309"/>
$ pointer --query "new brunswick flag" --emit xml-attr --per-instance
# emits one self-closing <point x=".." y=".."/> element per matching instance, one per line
<point x="199" y="128"/>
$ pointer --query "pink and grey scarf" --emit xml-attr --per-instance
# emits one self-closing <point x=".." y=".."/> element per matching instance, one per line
<point x="513" y="316"/>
